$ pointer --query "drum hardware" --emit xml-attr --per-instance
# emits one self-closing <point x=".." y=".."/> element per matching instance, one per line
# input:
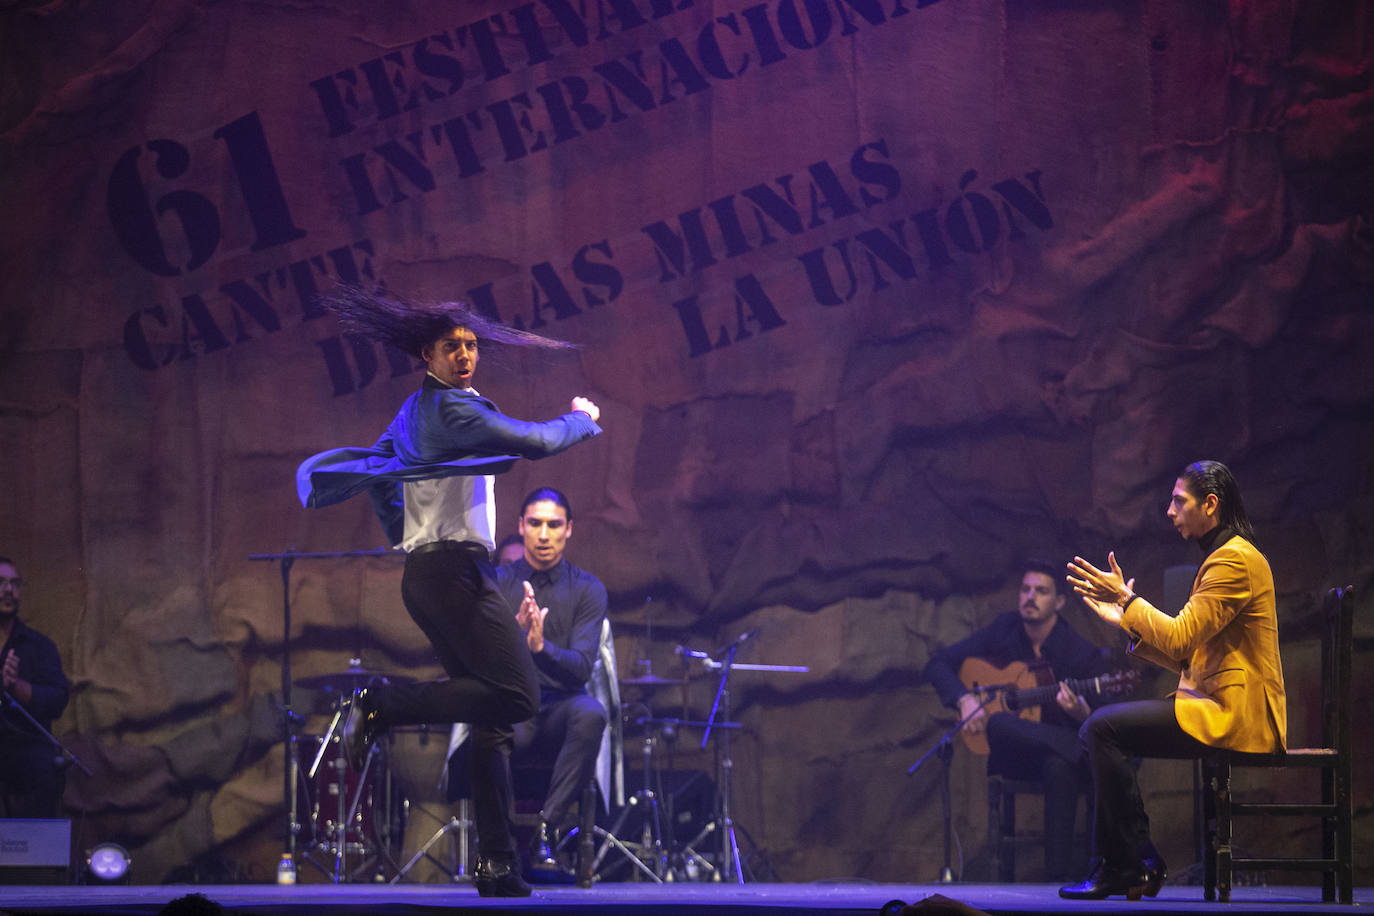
<point x="290" y="719"/>
<point x="645" y="802"/>
<point x="648" y="854"/>
<point x="346" y="681"/>
<point x="723" y="821"/>
<point x="610" y="841"/>
<point x="651" y="680"/>
<point x="457" y="869"/>
<point x="350" y="815"/>
<point x="682" y="861"/>
<point x="346" y="808"/>
<point x="418" y="761"/>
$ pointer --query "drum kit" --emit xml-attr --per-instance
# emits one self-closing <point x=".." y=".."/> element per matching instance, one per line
<point x="351" y="826"/>
<point x="346" y="823"/>
<point x="662" y="856"/>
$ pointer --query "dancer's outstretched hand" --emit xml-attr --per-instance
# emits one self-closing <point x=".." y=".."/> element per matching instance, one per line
<point x="1104" y="591"/>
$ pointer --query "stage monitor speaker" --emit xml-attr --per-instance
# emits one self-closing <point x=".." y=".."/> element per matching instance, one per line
<point x="35" y="851"/>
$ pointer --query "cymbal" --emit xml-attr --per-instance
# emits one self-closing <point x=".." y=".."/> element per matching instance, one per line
<point x="347" y="681"/>
<point x="650" y="680"/>
<point x="681" y="723"/>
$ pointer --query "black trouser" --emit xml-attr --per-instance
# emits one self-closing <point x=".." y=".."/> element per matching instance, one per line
<point x="567" y="731"/>
<point x="1113" y="736"/>
<point x="1049" y="753"/>
<point x="450" y="593"/>
<point x="30" y="777"/>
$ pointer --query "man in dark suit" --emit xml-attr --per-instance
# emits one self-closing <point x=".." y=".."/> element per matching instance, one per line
<point x="561" y="611"/>
<point x="30" y="777"/>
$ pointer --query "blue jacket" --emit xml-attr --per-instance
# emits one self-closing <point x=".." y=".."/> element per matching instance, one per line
<point x="438" y="432"/>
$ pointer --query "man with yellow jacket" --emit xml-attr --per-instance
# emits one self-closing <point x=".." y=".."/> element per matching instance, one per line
<point x="1225" y="645"/>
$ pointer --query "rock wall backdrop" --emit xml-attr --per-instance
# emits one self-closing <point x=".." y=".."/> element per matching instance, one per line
<point x="878" y="297"/>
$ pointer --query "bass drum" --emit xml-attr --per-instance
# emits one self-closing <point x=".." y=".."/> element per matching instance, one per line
<point x="338" y="805"/>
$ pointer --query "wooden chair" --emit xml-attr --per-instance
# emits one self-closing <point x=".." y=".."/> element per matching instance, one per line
<point x="1332" y="759"/>
<point x="608" y="782"/>
<point x="530" y="780"/>
<point x="1003" y="838"/>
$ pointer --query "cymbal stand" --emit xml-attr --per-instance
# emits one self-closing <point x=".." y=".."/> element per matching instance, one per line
<point x="684" y="861"/>
<point x="689" y="856"/>
<point x="944" y="748"/>
<point x="651" y="836"/>
<point x="731" y="864"/>
<point x="458" y="865"/>
<point x="290" y="718"/>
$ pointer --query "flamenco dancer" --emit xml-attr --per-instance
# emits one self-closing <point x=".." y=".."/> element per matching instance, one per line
<point x="429" y="478"/>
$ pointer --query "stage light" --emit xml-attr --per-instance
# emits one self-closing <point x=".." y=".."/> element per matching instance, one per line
<point x="108" y="863"/>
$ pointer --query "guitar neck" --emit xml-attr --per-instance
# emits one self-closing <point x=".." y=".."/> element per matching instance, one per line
<point x="1027" y="697"/>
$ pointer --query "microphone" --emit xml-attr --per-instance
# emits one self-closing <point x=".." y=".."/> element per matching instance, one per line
<point x="684" y="652"/>
<point x="747" y="635"/>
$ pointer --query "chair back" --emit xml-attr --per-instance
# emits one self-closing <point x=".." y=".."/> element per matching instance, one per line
<point x="604" y="684"/>
<point x="1332" y="759"/>
<point x="1338" y="615"/>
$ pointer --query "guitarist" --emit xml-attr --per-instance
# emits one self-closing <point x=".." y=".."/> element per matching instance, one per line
<point x="1019" y="748"/>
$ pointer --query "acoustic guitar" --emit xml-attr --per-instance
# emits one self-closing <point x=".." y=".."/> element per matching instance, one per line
<point x="1023" y="689"/>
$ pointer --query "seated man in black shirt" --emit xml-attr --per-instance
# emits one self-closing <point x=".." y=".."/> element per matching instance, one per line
<point x="1048" y="750"/>
<point x="30" y="776"/>
<point x="561" y="609"/>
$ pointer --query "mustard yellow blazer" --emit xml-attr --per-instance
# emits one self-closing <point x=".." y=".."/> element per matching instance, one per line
<point x="1225" y="644"/>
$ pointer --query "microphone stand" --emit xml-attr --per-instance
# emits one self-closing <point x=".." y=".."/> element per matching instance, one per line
<point x="944" y="748"/>
<point x="64" y="753"/>
<point x="732" y="867"/>
<point x="291" y="769"/>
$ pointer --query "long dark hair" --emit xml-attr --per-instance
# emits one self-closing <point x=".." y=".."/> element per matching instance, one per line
<point x="412" y="326"/>
<point x="1203" y="477"/>
<point x="547" y="493"/>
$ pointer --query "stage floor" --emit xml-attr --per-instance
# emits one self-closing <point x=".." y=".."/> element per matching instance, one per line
<point x="828" y="899"/>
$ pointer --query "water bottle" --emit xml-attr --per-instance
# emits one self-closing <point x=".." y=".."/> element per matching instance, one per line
<point x="286" y="869"/>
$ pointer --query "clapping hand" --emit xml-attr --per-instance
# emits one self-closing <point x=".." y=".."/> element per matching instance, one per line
<point x="531" y="619"/>
<point x="11" y="669"/>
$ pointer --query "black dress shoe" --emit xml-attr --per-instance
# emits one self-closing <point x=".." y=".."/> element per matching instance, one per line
<point x="499" y="878"/>
<point x="1155" y="873"/>
<point x="544" y="867"/>
<point x="360" y="729"/>
<point x="1108" y="880"/>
